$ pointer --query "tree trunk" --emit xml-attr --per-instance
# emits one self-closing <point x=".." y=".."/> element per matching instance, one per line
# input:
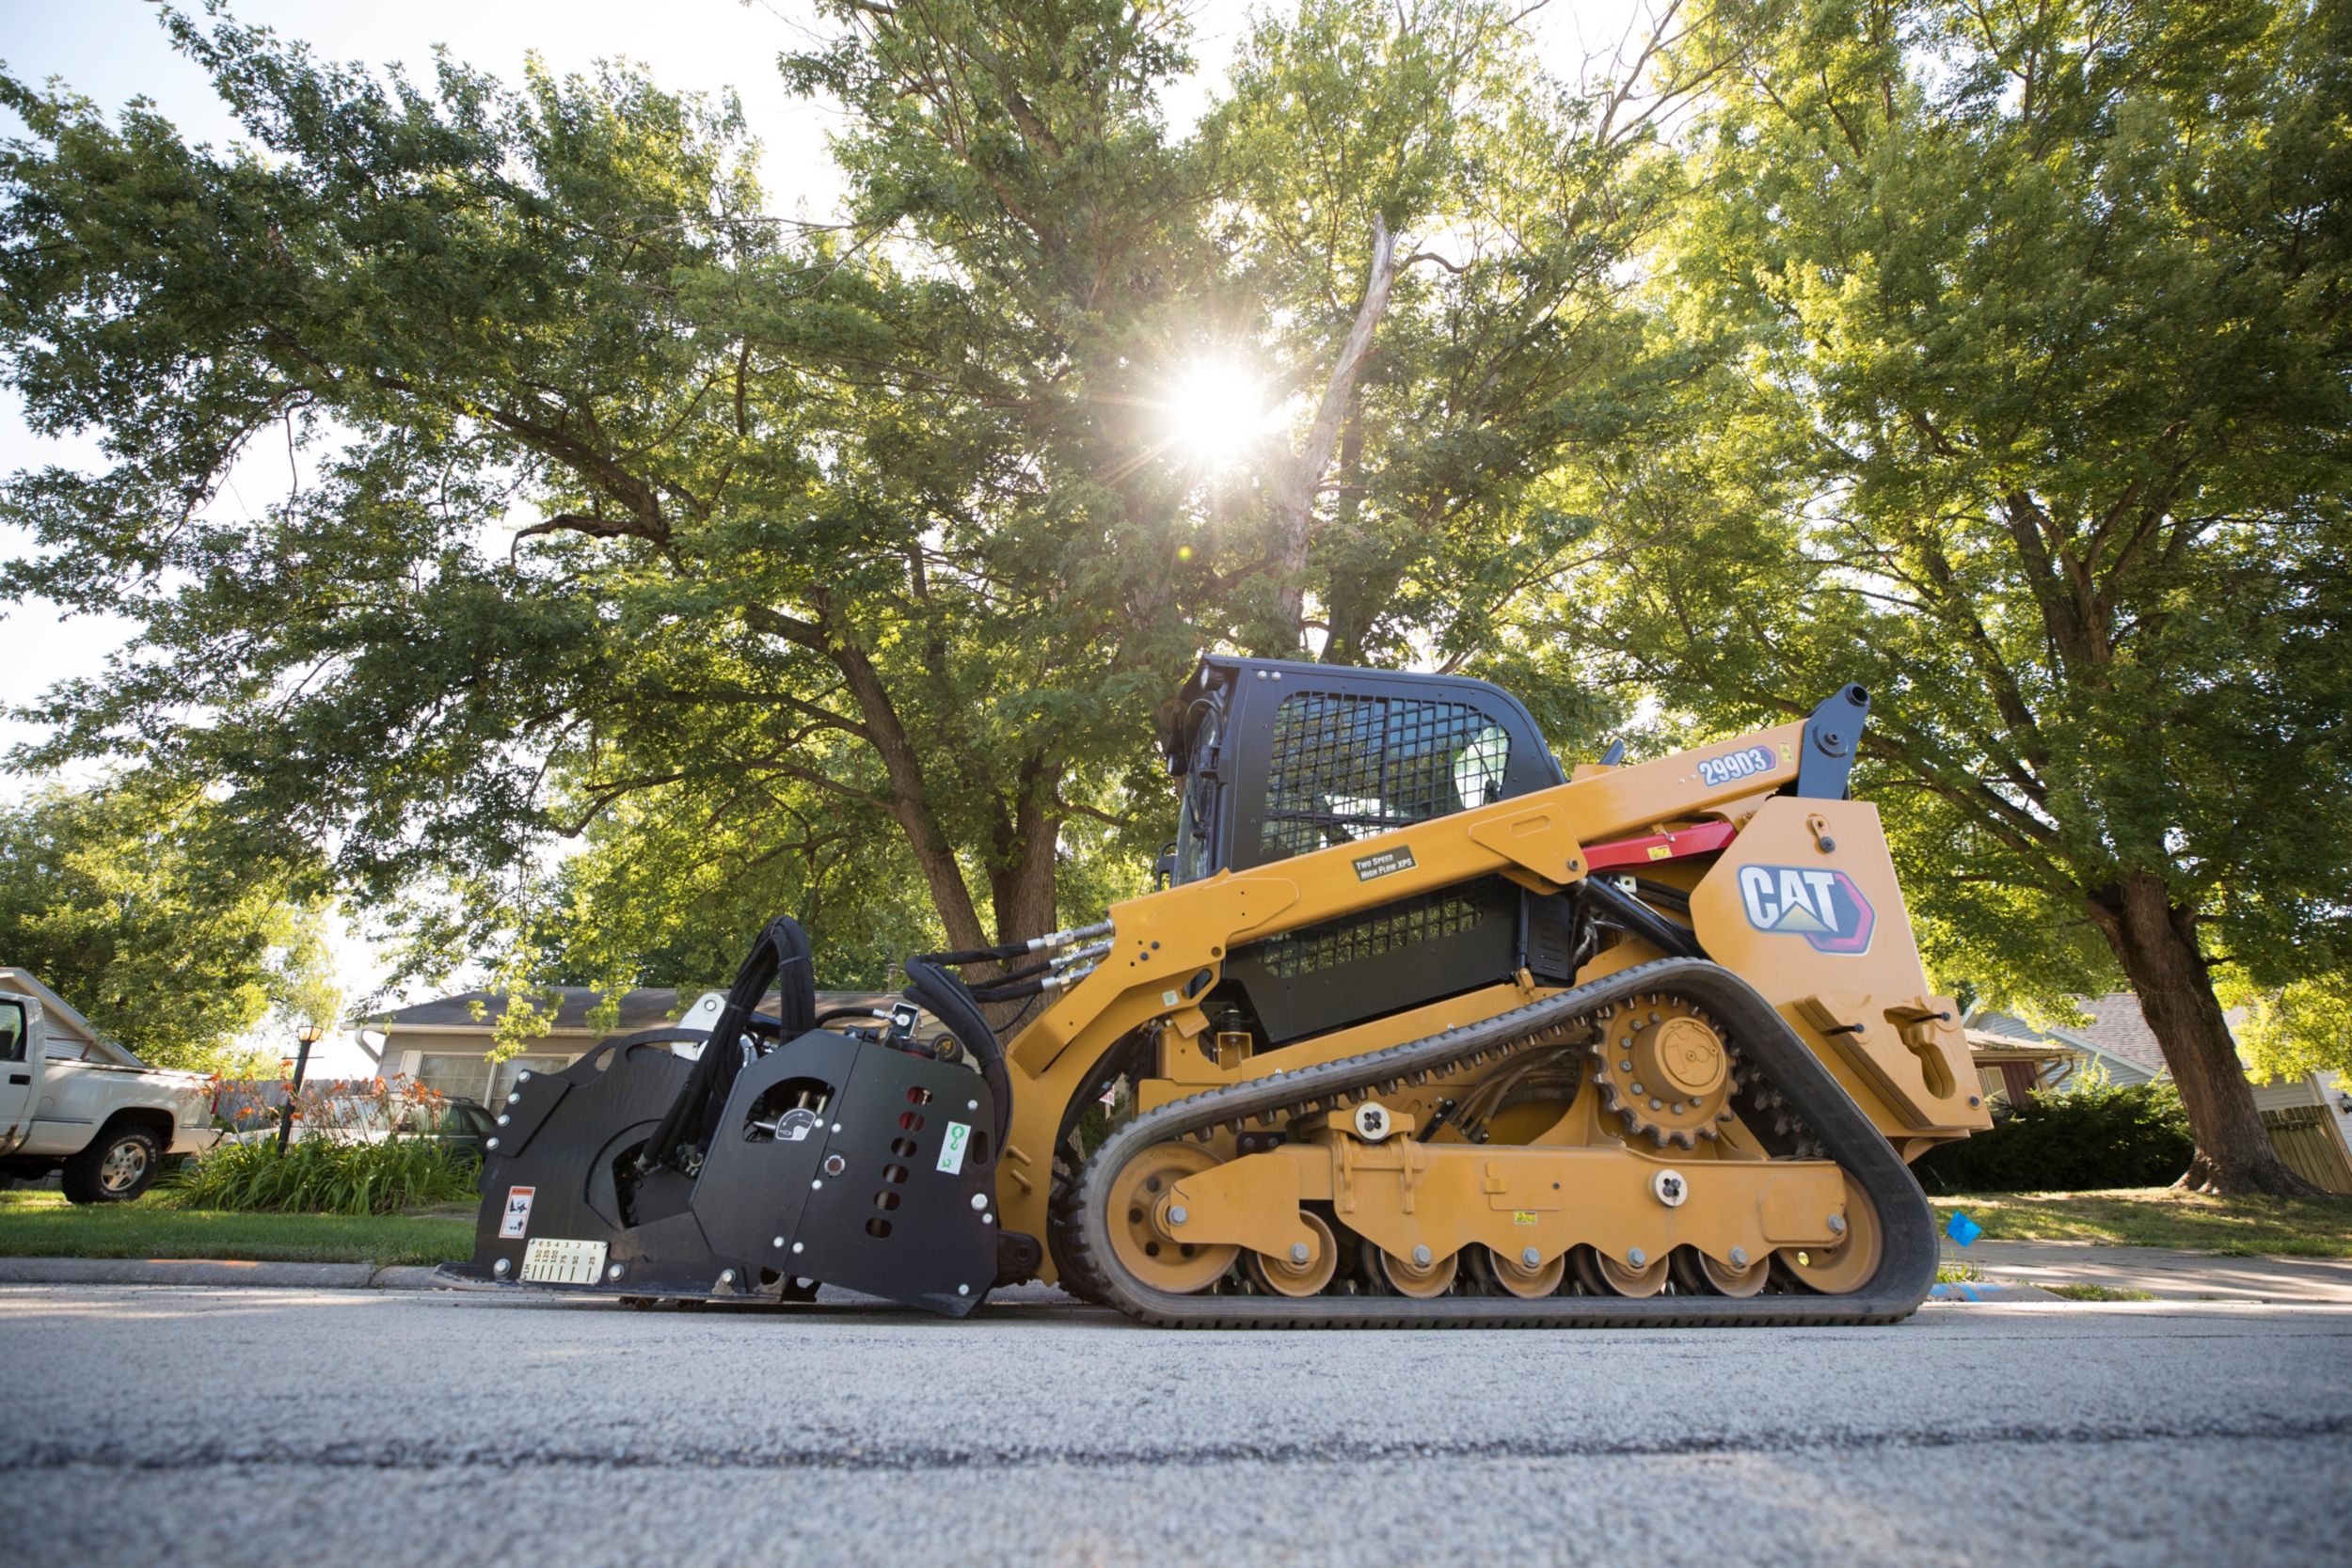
<point x="2157" y="942"/>
<point x="1021" y="879"/>
<point x="1297" y="483"/>
<point x="1352" y="606"/>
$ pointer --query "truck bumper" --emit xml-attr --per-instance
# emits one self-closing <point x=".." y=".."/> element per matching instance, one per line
<point x="194" y="1140"/>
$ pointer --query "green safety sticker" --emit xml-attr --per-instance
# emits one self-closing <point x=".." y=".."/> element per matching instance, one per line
<point x="952" y="1153"/>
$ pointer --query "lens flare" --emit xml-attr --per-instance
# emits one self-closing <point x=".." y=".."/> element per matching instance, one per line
<point x="1215" y="412"/>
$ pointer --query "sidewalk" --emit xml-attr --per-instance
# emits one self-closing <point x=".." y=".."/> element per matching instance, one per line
<point x="2164" y="1274"/>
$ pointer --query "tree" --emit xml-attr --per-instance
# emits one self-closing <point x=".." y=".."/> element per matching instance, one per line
<point x="2042" y="435"/>
<point x="137" y="903"/>
<point x="620" y="487"/>
<point x="1435" y="240"/>
<point x="621" y="500"/>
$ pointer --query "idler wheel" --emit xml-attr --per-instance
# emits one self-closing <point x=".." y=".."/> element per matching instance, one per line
<point x="1603" y="1276"/>
<point x="1155" y="1253"/>
<point x="1410" y="1276"/>
<point x="1846" y="1266"/>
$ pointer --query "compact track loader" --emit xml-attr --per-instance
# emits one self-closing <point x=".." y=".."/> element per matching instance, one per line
<point x="1417" y="1032"/>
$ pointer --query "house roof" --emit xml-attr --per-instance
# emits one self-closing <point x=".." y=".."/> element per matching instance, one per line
<point x="2116" y="1035"/>
<point x="478" y="1011"/>
<point x="2119" y="1028"/>
<point x="640" y="1008"/>
<point x="1986" y="1045"/>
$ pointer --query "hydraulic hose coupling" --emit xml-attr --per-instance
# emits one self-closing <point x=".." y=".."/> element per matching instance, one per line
<point x="1052" y="940"/>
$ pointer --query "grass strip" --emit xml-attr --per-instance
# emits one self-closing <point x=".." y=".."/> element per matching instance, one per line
<point x="2163" y="1217"/>
<point x="44" y="1225"/>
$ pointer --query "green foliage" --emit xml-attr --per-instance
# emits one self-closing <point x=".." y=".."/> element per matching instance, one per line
<point x="2098" y="1293"/>
<point x="2300" y="1027"/>
<point x="846" y="557"/>
<point x="324" y="1175"/>
<point x="139" y="903"/>
<point x="1512" y="343"/>
<point x="2247" y="1227"/>
<point x="43" y="1224"/>
<point x="666" y="891"/>
<point x="2092" y="1136"/>
<point x="2029" y="413"/>
<point x="1994" y="358"/>
<point x="2038" y="431"/>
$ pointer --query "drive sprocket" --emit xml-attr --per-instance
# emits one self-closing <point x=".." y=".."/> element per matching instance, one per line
<point x="1663" y="1070"/>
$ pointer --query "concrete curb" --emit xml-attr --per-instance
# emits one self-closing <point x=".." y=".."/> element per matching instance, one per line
<point x="1966" y="1291"/>
<point x="209" y="1271"/>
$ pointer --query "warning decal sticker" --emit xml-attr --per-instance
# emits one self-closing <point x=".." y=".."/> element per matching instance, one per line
<point x="518" y="1217"/>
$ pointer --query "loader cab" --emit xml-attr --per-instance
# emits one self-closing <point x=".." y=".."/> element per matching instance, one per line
<point x="1275" y="758"/>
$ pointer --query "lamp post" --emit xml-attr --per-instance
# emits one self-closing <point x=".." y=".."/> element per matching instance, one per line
<point x="305" y="1038"/>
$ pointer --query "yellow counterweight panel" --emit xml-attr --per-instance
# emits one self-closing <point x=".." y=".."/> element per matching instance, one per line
<point x="1804" y="905"/>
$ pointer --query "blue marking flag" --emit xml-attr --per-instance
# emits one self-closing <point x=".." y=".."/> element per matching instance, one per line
<point x="1961" y="1228"/>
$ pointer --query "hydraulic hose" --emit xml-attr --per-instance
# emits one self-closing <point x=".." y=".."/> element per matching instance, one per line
<point x="1620" y="908"/>
<point x="933" y="987"/>
<point x="781" y="956"/>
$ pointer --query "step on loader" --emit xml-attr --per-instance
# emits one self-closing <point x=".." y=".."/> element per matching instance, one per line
<point x="1415" y="1031"/>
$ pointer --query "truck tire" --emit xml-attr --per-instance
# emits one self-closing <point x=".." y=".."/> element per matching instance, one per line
<point x="121" y="1163"/>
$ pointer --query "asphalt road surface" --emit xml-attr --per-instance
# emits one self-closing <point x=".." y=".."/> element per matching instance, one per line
<point x="224" y="1427"/>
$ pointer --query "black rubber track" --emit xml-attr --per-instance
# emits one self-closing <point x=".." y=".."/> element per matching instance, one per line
<point x="1906" y="1225"/>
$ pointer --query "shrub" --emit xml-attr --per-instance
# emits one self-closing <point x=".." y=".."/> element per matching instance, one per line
<point x="323" y="1177"/>
<point x="2089" y="1136"/>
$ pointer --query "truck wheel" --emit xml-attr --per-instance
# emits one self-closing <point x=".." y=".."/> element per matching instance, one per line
<point x="119" y="1164"/>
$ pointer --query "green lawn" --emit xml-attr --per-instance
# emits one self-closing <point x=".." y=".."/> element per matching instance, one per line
<point x="2166" y="1217"/>
<point x="44" y="1225"/>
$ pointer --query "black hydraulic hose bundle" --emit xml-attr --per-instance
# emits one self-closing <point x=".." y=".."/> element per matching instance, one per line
<point x="1619" y="908"/>
<point x="781" y="956"/>
<point x="932" y="987"/>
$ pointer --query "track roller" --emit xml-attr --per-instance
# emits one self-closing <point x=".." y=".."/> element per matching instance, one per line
<point x="1422" y="1277"/>
<point x="1308" y="1268"/>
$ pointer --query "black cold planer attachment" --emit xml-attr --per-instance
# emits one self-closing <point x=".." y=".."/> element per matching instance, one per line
<point x="780" y="1156"/>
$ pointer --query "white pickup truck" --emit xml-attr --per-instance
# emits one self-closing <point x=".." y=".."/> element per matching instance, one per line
<point x="86" y="1107"/>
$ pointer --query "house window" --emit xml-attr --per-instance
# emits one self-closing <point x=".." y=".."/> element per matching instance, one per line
<point x="465" y="1076"/>
<point x="478" y="1077"/>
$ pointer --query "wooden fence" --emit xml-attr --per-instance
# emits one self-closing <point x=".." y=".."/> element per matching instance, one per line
<point x="2305" y="1137"/>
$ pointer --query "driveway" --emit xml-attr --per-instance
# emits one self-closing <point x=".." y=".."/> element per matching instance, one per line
<point x="225" y="1426"/>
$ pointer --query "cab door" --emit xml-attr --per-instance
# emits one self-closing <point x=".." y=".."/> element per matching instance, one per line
<point x="20" y="1066"/>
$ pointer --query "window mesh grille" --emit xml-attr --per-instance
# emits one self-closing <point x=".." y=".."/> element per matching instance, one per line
<point x="1346" y="767"/>
<point x="1406" y="924"/>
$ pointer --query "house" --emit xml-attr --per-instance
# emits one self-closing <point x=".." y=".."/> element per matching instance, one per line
<point x="446" y="1043"/>
<point x="2013" y="1068"/>
<point x="2117" y="1044"/>
<point x="2301" y="1113"/>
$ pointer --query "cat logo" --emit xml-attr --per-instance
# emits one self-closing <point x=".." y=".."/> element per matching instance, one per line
<point x="1822" y="906"/>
